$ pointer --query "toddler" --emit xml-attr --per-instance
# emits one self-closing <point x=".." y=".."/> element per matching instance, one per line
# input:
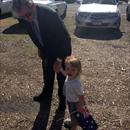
<point x="73" y="90"/>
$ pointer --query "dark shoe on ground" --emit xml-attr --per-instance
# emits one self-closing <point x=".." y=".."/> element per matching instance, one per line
<point x="42" y="97"/>
<point x="38" y="98"/>
<point x="67" y="123"/>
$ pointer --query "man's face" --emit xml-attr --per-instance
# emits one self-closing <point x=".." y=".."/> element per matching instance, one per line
<point x="26" y="12"/>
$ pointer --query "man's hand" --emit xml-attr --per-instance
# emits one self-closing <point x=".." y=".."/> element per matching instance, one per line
<point x="57" y="66"/>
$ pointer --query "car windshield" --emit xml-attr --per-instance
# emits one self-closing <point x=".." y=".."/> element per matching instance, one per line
<point x="111" y="2"/>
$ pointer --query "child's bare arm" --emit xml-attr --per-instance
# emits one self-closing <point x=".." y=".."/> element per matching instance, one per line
<point x="63" y="71"/>
<point x="82" y="107"/>
<point x="81" y="102"/>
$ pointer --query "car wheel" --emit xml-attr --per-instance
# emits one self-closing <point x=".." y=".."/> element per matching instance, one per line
<point x="0" y="12"/>
<point x="118" y="25"/>
<point x="128" y="17"/>
<point x="76" y="28"/>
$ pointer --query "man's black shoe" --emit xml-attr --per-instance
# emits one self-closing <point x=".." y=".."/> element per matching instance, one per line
<point x="42" y="97"/>
<point x="38" y="98"/>
<point x="67" y="123"/>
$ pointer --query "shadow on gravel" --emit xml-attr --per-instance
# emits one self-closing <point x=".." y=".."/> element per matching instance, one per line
<point x="15" y="29"/>
<point x="57" y="120"/>
<point x="98" y="34"/>
<point x="5" y="16"/>
<point x="41" y="120"/>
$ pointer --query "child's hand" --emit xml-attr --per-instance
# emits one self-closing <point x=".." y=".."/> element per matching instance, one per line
<point x="84" y="111"/>
<point x="63" y="71"/>
<point x="57" y="66"/>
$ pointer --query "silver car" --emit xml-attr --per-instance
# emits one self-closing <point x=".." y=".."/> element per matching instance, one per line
<point x="128" y="11"/>
<point x="5" y="6"/>
<point x="98" y="14"/>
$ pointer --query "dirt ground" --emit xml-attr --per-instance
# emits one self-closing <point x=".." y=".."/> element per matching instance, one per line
<point x="105" y="57"/>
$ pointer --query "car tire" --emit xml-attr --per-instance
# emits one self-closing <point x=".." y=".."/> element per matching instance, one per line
<point x="0" y="13"/>
<point x="128" y="17"/>
<point x="76" y="28"/>
<point x="118" y="26"/>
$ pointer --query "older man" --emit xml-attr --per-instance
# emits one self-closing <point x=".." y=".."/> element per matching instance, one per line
<point x="49" y="34"/>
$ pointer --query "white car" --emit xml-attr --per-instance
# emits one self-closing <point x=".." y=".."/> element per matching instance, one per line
<point x="5" y="6"/>
<point x="98" y="14"/>
<point x="128" y="11"/>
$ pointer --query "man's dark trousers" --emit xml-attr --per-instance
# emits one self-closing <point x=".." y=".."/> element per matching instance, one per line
<point x="48" y="78"/>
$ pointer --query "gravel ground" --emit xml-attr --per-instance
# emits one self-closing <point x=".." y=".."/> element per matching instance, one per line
<point x="105" y="76"/>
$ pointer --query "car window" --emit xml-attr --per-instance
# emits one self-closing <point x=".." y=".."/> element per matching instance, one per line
<point x="111" y="2"/>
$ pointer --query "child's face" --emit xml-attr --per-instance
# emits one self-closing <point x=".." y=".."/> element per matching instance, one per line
<point x="71" y="71"/>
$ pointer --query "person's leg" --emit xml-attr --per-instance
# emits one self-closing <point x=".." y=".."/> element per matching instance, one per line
<point x="72" y="106"/>
<point x="48" y="76"/>
<point x="48" y="80"/>
<point x="61" y="79"/>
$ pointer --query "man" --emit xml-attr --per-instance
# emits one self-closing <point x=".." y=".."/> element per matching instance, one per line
<point x="49" y="34"/>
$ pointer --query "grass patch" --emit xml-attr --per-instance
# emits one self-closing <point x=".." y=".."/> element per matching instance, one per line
<point x="29" y="50"/>
<point x="10" y="37"/>
<point x="70" y="24"/>
<point x="7" y="22"/>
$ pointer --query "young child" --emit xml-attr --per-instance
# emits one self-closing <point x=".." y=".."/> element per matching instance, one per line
<point x="73" y="90"/>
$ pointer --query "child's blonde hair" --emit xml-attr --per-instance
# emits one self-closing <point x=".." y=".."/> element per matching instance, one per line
<point x="74" y="62"/>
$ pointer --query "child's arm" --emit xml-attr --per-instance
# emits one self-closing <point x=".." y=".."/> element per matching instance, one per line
<point x="82" y="107"/>
<point x="81" y="102"/>
<point x="63" y="71"/>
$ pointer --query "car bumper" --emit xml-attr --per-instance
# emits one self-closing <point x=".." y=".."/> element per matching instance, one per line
<point x="108" y="23"/>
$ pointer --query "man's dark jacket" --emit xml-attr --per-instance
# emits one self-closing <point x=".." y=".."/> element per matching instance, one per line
<point x="56" y="39"/>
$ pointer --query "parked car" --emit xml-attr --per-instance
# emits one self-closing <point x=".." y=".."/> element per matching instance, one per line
<point x="98" y="14"/>
<point x="5" y="6"/>
<point x="59" y="6"/>
<point x="79" y="1"/>
<point x="70" y="1"/>
<point x="128" y="11"/>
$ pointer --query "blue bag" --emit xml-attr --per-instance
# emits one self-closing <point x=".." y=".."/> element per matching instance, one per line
<point x="86" y="123"/>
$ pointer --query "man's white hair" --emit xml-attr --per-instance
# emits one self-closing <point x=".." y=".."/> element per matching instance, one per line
<point x="18" y="4"/>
